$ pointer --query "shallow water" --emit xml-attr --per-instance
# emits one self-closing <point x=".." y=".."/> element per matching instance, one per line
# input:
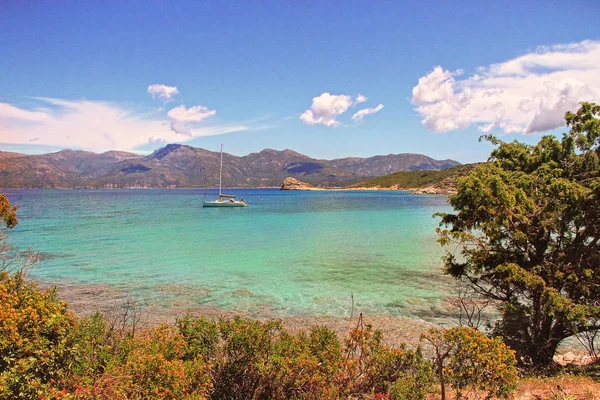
<point x="289" y="254"/>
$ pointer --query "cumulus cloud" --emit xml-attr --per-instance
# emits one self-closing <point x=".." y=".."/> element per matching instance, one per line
<point x="162" y="92"/>
<point x="527" y="94"/>
<point x="181" y="117"/>
<point x="98" y="125"/>
<point x="326" y="108"/>
<point x="359" y="115"/>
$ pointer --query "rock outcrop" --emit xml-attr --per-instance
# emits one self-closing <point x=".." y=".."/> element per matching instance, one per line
<point x="290" y="183"/>
<point x="447" y="186"/>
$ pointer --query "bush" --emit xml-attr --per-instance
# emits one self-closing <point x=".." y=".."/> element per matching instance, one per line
<point x="36" y="348"/>
<point x="149" y="365"/>
<point x="407" y="374"/>
<point x="467" y="359"/>
<point x="158" y="369"/>
<point x="261" y="360"/>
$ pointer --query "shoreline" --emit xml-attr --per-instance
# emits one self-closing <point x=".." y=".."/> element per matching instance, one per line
<point x="87" y="299"/>
<point x="313" y="189"/>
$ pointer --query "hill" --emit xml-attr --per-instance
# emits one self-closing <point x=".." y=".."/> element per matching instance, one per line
<point x="443" y="181"/>
<point x="177" y="165"/>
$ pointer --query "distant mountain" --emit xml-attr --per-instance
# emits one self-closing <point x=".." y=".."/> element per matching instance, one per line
<point x="177" y="165"/>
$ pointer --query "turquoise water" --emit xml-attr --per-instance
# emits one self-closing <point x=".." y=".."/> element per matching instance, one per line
<point x="289" y="254"/>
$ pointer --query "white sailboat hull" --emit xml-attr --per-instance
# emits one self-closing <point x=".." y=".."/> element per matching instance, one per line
<point x="217" y="203"/>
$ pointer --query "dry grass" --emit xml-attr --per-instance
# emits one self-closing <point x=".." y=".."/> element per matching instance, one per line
<point x="562" y="387"/>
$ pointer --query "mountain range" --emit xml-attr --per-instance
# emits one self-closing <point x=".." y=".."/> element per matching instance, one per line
<point x="177" y="165"/>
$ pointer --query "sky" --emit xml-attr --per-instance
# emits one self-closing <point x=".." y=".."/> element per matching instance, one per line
<point x="327" y="79"/>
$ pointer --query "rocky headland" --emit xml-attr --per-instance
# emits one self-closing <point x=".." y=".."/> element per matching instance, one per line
<point x="290" y="183"/>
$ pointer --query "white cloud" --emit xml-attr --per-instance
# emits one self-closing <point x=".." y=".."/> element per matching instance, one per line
<point x="436" y="86"/>
<point x="96" y="125"/>
<point x="10" y="112"/>
<point x="181" y="117"/>
<point x="162" y="92"/>
<point x="327" y="107"/>
<point x="359" y="115"/>
<point x="527" y="94"/>
<point x="157" y="140"/>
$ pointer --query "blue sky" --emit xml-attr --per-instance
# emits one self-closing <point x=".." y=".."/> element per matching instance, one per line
<point x="77" y="74"/>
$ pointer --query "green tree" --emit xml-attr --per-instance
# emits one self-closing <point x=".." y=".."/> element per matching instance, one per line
<point x="527" y="227"/>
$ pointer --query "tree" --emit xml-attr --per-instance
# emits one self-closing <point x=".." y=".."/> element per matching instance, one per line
<point x="526" y="226"/>
<point x="11" y="257"/>
<point x="8" y="212"/>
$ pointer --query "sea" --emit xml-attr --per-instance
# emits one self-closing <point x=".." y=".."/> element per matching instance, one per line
<point x="291" y="253"/>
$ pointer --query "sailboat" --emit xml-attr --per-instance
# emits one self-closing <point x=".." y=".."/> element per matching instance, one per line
<point x="224" y="200"/>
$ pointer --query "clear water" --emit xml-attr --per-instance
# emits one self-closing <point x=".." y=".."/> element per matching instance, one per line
<point x="289" y="254"/>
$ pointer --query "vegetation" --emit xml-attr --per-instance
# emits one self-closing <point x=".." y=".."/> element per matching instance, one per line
<point x="46" y="352"/>
<point x="527" y="225"/>
<point x="468" y="360"/>
<point x="419" y="179"/>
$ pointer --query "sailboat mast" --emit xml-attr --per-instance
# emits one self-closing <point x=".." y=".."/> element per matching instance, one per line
<point x="221" y="171"/>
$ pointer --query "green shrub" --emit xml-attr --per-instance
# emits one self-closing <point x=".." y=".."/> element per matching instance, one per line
<point x="201" y="335"/>
<point x="405" y="374"/>
<point x="466" y="358"/>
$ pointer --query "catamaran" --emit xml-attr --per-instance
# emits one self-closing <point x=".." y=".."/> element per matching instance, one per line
<point x="224" y="200"/>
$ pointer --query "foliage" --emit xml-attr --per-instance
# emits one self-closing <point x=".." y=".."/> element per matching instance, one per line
<point x="11" y="259"/>
<point x="49" y="353"/>
<point x="417" y="179"/>
<point x="527" y="227"/>
<point x="36" y="348"/>
<point x="372" y="367"/>
<point x="8" y="212"/>
<point x="468" y="360"/>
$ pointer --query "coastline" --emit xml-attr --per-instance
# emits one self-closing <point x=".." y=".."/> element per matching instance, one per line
<point x="313" y="189"/>
<point x="424" y="190"/>
<point x="290" y="183"/>
<point x="87" y="299"/>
